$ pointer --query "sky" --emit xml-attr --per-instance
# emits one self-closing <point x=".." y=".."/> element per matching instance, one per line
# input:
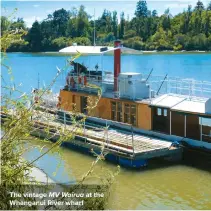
<point x="38" y="10"/>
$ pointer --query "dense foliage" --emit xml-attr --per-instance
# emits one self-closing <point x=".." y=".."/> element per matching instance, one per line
<point x="189" y="30"/>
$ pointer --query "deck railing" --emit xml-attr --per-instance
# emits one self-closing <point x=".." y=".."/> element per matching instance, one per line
<point x="173" y="85"/>
<point x="100" y="133"/>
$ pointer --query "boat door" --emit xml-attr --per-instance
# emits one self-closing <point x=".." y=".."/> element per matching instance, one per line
<point x="161" y="120"/>
<point x="84" y="104"/>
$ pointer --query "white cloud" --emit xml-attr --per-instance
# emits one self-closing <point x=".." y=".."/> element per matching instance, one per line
<point x="36" y="5"/>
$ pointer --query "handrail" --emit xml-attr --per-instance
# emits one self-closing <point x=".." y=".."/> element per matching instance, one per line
<point x="172" y="85"/>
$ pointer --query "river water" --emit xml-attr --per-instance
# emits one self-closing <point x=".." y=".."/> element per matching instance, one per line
<point x="159" y="186"/>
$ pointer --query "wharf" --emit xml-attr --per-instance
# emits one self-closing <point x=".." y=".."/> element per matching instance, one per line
<point x="126" y="148"/>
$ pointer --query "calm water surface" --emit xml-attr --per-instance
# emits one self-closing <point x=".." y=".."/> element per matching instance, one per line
<point x="160" y="187"/>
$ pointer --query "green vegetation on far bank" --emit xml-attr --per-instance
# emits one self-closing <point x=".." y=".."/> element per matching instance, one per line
<point x="189" y="30"/>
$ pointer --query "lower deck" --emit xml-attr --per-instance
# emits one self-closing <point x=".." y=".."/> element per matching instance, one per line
<point x="117" y="140"/>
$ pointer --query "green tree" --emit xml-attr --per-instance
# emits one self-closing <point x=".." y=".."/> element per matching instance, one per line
<point x="5" y="24"/>
<point x="109" y="38"/>
<point x="198" y="42"/>
<point x="72" y="28"/>
<point x="122" y="25"/>
<point x="82" y="41"/>
<point x="146" y="25"/>
<point x="104" y="24"/>
<point x="165" y="20"/>
<point x="61" y="42"/>
<point x="161" y="40"/>
<point x="199" y="5"/>
<point x="83" y="25"/>
<point x="154" y="13"/>
<point x="115" y="23"/>
<point x="141" y="9"/>
<point x="34" y="37"/>
<point x="209" y="43"/>
<point x="209" y="6"/>
<point x="60" y="19"/>
<point x="135" y="43"/>
<point x="206" y="22"/>
<point x="129" y="34"/>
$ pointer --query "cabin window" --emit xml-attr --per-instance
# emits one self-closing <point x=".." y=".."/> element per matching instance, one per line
<point x="165" y="113"/>
<point x="162" y="112"/>
<point x="113" y="110"/>
<point x="133" y="114"/>
<point x="119" y="112"/>
<point x="127" y="114"/>
<point x="159" y="111"/>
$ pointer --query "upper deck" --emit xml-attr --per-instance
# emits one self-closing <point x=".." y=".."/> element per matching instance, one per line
<point x="158" y="84"/>
<point x="187" y="95"/>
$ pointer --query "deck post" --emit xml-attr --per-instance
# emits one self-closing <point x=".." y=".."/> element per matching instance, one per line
<point x="132" y="140"/>
<point x="185" y="126"/>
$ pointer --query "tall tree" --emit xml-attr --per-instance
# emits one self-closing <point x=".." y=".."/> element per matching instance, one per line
<point x="82" y="22"/>
<point x="154" y="13"/>
<point x="35" y="37"/>
<point x="60" y="19"/>
<point x="122" y="25"/>
<point x="141" y="9"/>
<point x="78" y="25"/>
<point x="209" y="6"/>
<point x="115" y="23"/>
<point x="166" y="24"/>
<point x="199" y="5"/>
<point x="207" y="24"/>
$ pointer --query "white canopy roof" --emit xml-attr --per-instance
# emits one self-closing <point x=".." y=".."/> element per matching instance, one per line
<point x="191" y="106"/>
<point x="85" y="49"/>
<point x="167" y="100"/>
<point x="95" y="49"/>
<point x="183" y="103"/>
